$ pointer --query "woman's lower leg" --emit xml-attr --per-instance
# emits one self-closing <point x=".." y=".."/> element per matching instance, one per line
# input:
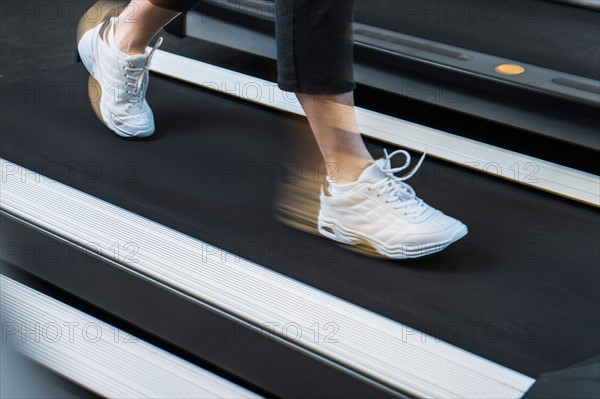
<point x="138" y="24"/>
<point x="333" y="121"/>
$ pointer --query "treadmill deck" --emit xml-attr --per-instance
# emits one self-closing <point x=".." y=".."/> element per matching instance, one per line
<point x="520" y="289"/>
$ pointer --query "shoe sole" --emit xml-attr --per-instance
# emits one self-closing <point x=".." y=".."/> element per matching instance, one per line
<point x="358" y="243"/>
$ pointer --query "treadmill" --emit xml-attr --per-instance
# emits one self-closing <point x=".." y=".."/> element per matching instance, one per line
<point x="172" y="242"/>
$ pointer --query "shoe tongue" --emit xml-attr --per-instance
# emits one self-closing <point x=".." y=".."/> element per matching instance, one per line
<point x="137" y="61"/>
<point x="373" y="173"/>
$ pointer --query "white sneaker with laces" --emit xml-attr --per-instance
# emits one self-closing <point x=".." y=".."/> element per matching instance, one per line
<point x="382" y="212"/>
<point x="123" y="80"/>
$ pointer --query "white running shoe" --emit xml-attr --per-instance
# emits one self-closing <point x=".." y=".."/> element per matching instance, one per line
<point x="382" y="212"/>
<point x="123" y="80"/>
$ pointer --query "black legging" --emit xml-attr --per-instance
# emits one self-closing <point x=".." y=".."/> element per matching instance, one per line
<point x="314" y="44"/>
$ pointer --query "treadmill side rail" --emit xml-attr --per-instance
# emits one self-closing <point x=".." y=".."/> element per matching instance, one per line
<point x="92" y="354"/>
<point x="533" y="172"/>
<point x="368" y="344"/>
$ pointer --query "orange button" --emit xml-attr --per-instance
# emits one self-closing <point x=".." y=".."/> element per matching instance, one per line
<point x="510" y="69"/>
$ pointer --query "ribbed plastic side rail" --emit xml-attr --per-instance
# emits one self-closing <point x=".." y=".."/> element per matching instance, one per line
<point x="374" y="346"/>
<point x="537" y="173"/>
<point x="99" y="357"/>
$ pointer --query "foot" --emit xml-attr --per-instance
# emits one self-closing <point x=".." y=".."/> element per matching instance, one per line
<point x="123" y="80"/>
<point x="382" y="212"/>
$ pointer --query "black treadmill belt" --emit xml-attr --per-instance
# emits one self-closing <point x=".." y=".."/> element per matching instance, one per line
<point x="521" y="289"/>
<point x="552" y="35"/>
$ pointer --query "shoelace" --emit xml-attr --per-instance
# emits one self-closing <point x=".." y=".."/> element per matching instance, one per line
<point x="135" y="90"/>
<point x="394" y="188"/>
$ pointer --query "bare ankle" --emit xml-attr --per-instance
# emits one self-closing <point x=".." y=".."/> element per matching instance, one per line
<point x="125" y="43"/>
<point x="348" y="172"/>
